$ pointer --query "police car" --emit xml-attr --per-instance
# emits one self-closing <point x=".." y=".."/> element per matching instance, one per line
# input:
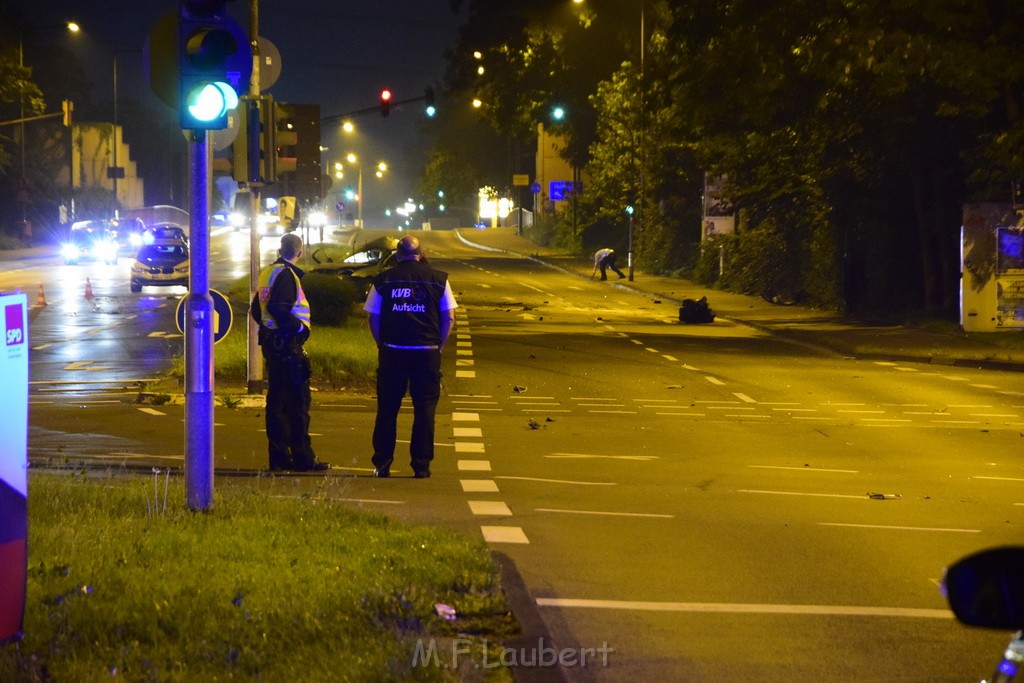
<point x="164" y="263"/>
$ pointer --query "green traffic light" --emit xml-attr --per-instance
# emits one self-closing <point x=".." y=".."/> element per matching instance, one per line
<point x="558" y="113"/>
<point x="209" y="102"/>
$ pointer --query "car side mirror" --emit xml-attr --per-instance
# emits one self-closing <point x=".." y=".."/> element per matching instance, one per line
<point x="986" y="589"/>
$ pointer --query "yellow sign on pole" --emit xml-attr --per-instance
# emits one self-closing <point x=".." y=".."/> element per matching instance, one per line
<point x="520" y="179"/>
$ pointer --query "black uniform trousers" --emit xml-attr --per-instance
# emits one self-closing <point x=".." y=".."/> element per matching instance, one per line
<point x="419" y="372"/>
<point x="287" y="419"/>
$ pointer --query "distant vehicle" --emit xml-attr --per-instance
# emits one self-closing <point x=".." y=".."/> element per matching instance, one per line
<point x="161" y="264"/>
<point x="162" y="232"/>
<point x="86" y="244"/>
<point x="376" y="256"/>
<point x="127" y="233"/>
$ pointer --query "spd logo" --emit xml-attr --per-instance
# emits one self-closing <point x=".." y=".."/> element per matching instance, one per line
<point x="15" y="318"/>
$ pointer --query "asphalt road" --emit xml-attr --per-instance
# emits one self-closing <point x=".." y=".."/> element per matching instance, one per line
<point x="683" y="502"/>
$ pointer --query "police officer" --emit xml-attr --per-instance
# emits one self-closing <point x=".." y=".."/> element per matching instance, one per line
<point x="282" y="311"/>
<point x="411" y="313"/>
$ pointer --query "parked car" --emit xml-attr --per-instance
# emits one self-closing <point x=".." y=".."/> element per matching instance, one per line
<point x="376" y="256"/>
<point x="158" y="232"/>
<point x="86" y="244"/>
<point x="161" y="264"/>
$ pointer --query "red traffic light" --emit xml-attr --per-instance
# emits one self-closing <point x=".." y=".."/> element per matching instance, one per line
<point x="385" y="95"/>
<point x="385" y="102"/>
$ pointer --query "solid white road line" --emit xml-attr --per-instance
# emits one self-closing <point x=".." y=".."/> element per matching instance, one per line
<point x="796" y="493"/>
<point x="746" y="608"/>
<point x="900" y="528"/>
<point x="609" y="514"/>
<point x="561" y="481"/>
<point x="609" y="457"/>
<point x="802" y="469"/>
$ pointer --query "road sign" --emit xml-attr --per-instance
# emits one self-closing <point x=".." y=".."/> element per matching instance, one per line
<point x="520" y="179"/>
<point x="561" y="190"/>
<point x="221" y="315"/>
<point x="13" y="465"/>
<point x="535" y="188"/>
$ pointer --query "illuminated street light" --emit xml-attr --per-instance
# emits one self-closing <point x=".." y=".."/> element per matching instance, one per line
<point x="348" y="127"/>
<point x="477" y="103"/>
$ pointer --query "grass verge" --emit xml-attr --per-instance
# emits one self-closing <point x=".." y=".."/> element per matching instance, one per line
<point x="343" y="357"/>
<point x="274" y="585"/>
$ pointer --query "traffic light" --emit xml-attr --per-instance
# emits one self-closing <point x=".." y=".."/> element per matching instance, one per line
<point x="246" y="157"/>
<point x="279" y="137"/>
<point x="214" y="64"/>
<point x="68" y="107"/>
<point x="385" y="102"/>
<point x="428" y="99"/>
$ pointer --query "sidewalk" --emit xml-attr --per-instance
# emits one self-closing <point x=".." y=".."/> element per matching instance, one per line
<point x="801" y="324"/>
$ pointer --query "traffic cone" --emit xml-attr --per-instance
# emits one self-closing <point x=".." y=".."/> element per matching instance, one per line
<point x="88" y="289"/>
<point x="41" y="297"/>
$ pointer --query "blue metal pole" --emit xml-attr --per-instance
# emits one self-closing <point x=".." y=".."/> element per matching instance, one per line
<point x="199" y="333"/>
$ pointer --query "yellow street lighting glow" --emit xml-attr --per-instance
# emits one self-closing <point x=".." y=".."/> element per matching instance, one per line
<point x="477" y="54"/>
<point x="74" y="27"/>
<point x="351" y="158"/>
<point x="338" y="166"/>
<point x="480" y="70"/>
<point x="382" y="166"/>
<point x="477" y="103"/>
<point x="348" y="127"/>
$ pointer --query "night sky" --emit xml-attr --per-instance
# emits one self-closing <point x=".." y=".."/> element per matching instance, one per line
<point x="335" y="53"/>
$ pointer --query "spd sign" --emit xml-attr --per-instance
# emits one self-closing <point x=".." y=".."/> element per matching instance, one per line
<point x="13" y="465"/>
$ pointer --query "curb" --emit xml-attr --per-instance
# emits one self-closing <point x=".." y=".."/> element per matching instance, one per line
<point x="535" y="636"/>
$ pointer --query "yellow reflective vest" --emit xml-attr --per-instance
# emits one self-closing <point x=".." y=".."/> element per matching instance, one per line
<point x="265" y="285"/>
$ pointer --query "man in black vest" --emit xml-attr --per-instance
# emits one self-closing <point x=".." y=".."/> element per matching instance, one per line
<point x="411" y="313"/>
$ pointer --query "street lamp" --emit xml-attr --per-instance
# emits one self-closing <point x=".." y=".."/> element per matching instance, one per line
<point x="71" y="27"/>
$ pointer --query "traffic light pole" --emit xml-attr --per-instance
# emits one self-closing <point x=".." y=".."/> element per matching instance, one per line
<point x="254" y="359"/>
<point x="199" y="327"/>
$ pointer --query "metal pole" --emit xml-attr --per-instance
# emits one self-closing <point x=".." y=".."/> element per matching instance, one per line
<point x="361" y="226"/>
<point x="116" y="203"/>
<point x="254" y="359"/>
<point x="629" y="255"/>
<point x="199" y="333"/>
<point x="21" y="103"/>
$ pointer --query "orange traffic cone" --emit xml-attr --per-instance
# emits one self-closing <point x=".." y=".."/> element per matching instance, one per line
<point x="88" y="289"/>
<point x="41" y="297"/>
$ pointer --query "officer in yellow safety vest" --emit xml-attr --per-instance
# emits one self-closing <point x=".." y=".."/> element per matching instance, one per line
<point x="282" y="311"/>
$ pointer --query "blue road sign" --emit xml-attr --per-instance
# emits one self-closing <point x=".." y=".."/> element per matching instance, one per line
<point x="535" y="188"/>
<point x="560" y="190"/>
<point x="221" y="315"/>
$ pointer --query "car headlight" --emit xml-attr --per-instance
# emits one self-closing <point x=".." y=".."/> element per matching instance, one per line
<point x="69" y="251"/>
<point x="135" y="239"/>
